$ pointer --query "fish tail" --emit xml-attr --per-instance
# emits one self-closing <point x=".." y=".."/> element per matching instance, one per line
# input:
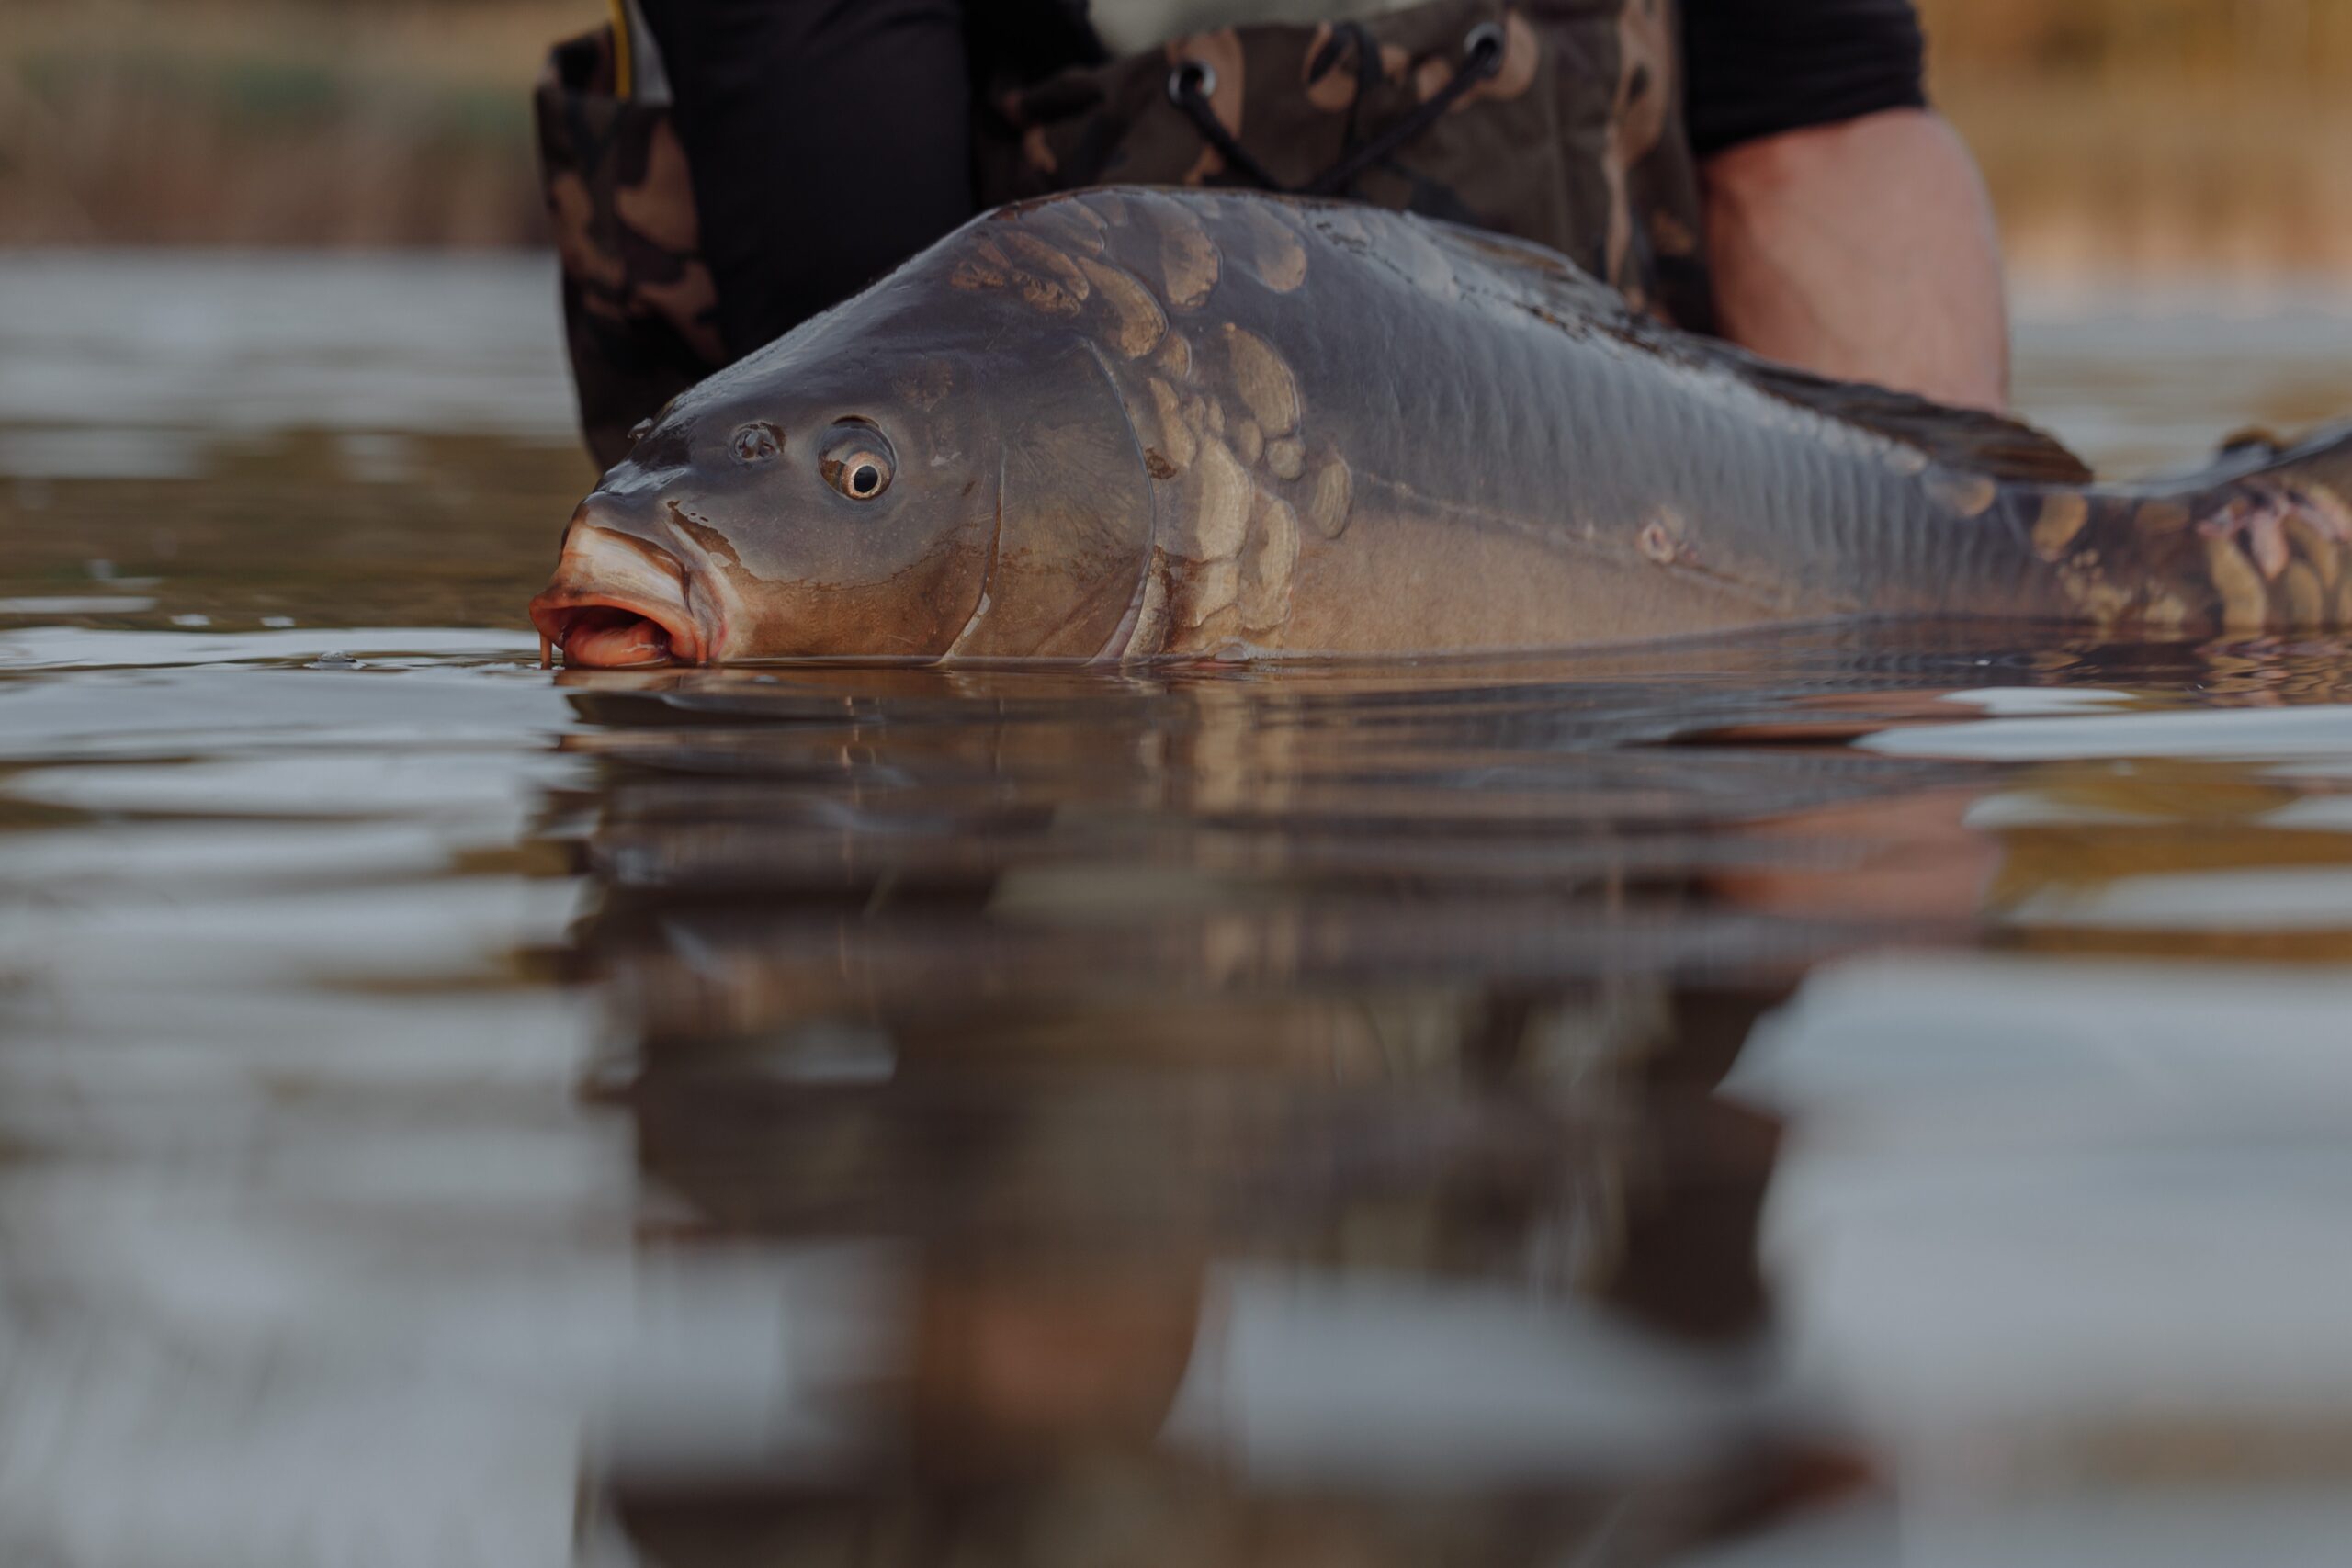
<point x="2260" y="541"/>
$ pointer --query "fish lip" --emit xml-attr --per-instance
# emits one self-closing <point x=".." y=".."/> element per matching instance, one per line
<point x="607" y="565"/>
<point x="559" y="609"/>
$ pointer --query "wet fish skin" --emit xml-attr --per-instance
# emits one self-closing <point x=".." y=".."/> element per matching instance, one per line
<point x="1134" y="424"/>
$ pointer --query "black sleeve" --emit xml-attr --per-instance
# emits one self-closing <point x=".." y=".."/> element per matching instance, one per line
<point x="827" y="141"/>
<point x="1759" y="67"/>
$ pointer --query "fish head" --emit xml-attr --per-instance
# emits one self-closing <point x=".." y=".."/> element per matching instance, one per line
<point x="927" y="472"/>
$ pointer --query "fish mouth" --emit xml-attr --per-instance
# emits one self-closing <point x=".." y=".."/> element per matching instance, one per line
<point x="605" y="634"/>
<point x="618" y="603"/>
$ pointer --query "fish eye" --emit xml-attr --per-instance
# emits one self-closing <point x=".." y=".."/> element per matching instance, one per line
<point x="856" y="460"/>
<point x="636" y="432"/>
<point x="756" y="442"/>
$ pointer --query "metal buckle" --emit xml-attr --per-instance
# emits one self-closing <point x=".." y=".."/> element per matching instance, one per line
<point x="1488" y="39"/>
<point x="1198" y="77"/>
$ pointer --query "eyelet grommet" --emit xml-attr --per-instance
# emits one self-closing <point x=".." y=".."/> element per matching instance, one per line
<point x="1198" y="77"/>
<point x="1485" y="40"/>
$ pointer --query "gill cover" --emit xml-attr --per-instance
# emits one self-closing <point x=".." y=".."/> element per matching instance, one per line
<point x="1074" y="520"/>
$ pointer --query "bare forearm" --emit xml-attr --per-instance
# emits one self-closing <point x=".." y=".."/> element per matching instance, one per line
<point x="1865" y="250"/>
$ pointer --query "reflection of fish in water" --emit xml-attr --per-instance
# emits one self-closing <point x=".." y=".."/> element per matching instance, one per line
<point x="1250" y="1109"/>
<point x="1128" y="423"/>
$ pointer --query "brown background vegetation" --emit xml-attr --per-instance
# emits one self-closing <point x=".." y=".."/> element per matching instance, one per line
<point x="2158" y="136"/>
<point x="2167" y="137"/>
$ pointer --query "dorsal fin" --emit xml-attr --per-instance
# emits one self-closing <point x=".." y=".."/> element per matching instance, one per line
<point x="1987" y="444"/>
<point x="1982" y="443"/>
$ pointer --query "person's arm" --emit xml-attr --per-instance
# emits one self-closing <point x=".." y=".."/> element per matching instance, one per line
<point x="1864" y="251"/>
<point x="1848" y="231"/>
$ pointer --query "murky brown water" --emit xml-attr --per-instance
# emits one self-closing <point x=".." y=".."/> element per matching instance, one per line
<point x="1822" y="1098"/>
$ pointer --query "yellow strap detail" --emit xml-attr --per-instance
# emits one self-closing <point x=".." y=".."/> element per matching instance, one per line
<point x="624" y="66"/>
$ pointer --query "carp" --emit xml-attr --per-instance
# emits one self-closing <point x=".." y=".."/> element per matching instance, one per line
<point x="1138" y="423"/>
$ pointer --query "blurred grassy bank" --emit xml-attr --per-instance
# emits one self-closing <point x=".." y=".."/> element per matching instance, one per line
<point x="317" y="122"/>
<point x="2151" y="137"/>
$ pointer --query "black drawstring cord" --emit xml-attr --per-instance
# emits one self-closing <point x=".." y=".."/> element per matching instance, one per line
<point x="1193" y="82"/>
<point x="1482" y="56"/>
<point x="1188" y="86"/>
<point x="1367" y="56"/>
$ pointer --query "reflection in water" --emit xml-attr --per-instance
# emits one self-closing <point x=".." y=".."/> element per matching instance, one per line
<point x="1822" y="1100"/>
<point x="1284" y="1104"/>
<point x="1287" y="1106"/>
<point x="1709" y="1104"/>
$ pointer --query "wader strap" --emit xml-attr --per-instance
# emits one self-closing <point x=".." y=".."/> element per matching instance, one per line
<point x="638" y="75"/>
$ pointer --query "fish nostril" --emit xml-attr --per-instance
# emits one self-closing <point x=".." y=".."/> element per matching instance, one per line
<point x="756" y="442"/>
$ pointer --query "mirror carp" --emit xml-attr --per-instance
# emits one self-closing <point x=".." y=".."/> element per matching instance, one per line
<point x="1134" y="423"/>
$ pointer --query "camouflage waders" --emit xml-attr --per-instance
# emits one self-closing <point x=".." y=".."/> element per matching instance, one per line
<point x="640" y="308"/>
<point x="1556" y="120"/>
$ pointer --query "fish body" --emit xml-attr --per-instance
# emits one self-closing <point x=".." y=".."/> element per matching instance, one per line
<point x="1129" y="423"/>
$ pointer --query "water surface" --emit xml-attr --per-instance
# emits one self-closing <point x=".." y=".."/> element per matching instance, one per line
<point x="1818" y="1098"/>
